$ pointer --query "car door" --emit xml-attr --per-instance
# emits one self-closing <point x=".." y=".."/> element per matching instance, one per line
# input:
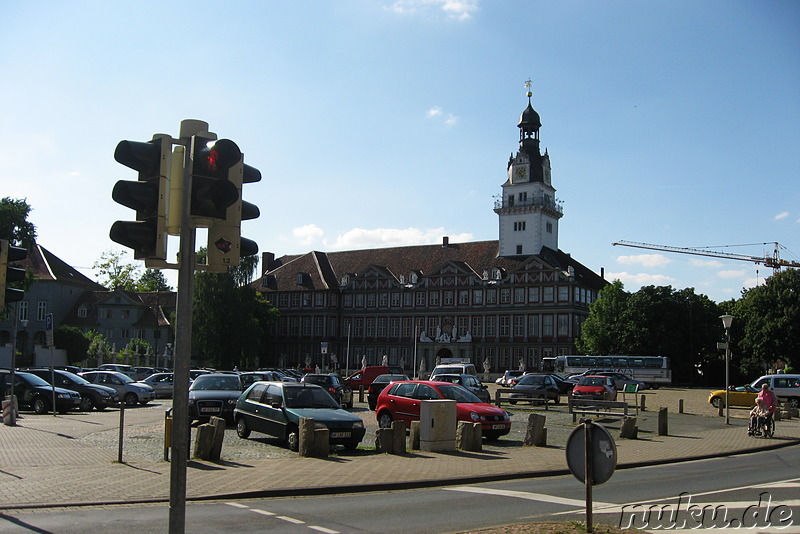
<point x="403" y="405"/>
<point x="253" y="410"/>
<point x="272" y="409"/>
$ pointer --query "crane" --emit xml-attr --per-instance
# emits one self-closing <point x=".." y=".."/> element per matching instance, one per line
<point x="773" y="261"/>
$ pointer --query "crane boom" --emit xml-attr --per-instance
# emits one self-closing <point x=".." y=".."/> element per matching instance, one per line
<point x="773" y="261"/>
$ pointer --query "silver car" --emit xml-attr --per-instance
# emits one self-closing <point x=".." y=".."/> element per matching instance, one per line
<point x="130" y="391"/>
<point x="162" y="383"/>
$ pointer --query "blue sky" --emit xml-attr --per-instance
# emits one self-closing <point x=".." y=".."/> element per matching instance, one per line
<point x="387" y="122"/>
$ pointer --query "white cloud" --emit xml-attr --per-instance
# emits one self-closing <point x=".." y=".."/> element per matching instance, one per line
<point x="640" y="279"/>
<point x="714" y="264"/>
<point x="436" y="112"/>
<point x="781" y="215"/>
<point x="454" y="9"/>
<point x="732" y="273"/>
<point x="647" y="260"/>
<point x="361" y="238"/>
<point x="308" y="234"/>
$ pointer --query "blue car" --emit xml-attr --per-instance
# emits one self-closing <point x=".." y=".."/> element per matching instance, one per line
<point x="275" y="409"/>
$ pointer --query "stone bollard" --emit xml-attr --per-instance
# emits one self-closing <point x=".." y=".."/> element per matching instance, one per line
<point x="536" y="434"/>
<point x="305" y="437"/>
<point x="629" y="430"/>
<point x="360" y="393"/>
<point x="663" y="429"/>
<point x="721" y="409"/>
<point x="793" y="412"/>
<point x="680" y="406"/>
<point x="398" y="437"/>
<point x="204" y="441"/>
<point x="322" y="443"/>
<point x="413" y="437"/>
<point x="468" y="436"/>
<point x="777" y="415"/>
<point x="641" y="404"/>
<point x="219" y="436"/>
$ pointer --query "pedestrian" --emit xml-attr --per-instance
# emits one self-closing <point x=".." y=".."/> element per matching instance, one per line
<point x="769" y="398"/>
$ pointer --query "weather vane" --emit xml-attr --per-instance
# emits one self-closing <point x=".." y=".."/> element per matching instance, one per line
<point x="528" y="87"/>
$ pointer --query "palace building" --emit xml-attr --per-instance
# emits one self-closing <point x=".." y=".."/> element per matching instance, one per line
<point x="503" y="304"/>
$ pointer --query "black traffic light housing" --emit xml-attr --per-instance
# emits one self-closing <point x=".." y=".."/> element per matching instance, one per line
<point x="149" y="196"/>
<point x="10" y="254"/>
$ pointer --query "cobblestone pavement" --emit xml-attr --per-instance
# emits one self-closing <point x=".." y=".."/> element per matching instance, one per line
<point x="71" y="459"/>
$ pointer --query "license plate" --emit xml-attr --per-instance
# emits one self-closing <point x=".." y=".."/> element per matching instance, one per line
<point x="498" y="427"/>
<point x="340" y="434"/>
<point x="209" y="410"/>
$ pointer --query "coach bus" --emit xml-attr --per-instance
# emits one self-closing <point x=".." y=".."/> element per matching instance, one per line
<point x="652" y="370"/>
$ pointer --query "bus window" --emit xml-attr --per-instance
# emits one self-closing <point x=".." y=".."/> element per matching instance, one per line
<point x="574" y="361"/>
<point x="620" y="362"/>
<point x="589" y="362"/>
<point x="636" y="362"/>
<point x="605" y="362"/>
<point x="653" y="363"/>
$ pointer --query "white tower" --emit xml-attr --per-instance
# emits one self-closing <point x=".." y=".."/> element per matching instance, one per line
<point x="528" y="209"/>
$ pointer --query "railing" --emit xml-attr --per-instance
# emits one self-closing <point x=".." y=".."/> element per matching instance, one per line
<point x="504" y="203"/>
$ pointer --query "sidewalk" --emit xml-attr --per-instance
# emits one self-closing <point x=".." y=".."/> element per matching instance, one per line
<point x="42" y="463"/>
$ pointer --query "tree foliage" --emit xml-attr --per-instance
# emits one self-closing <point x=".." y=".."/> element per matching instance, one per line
<point x="14" y="224"/>
<point x="114" y="274"/>
<point x="74" y="341"/>
<point x="602" y="332"/>
<point x="153" y="280"/>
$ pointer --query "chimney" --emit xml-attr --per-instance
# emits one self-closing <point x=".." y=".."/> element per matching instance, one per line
<point x="445" y="241"/>
<point x="267" y="259"/>
<point x="603" y="273"/>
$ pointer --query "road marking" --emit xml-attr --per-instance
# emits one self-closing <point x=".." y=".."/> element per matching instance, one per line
<point x="526" y="495"/>
<point x="729" y="505"/>
<point x="323" y="529"/>
<point x="262" y="512"/>
<point x="290" y="519"/>
<point x="237" y="505"/>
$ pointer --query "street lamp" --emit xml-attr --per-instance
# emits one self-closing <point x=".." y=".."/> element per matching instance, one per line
<point x="727" y="320"/>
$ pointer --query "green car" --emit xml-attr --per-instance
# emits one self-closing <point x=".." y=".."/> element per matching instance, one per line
<point x="275" y="409"/>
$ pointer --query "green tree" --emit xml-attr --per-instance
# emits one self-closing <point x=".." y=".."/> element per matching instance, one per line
<point x="138" y="347"/>
<point x="767" y="324"/>
<point x="99" y="347"/>
<point x="113" y="273"/>
<point x="74" y="341"/>
<point x="153" y="280"/>
<point x="602" y="331"/>
<point x="14" y="224"/>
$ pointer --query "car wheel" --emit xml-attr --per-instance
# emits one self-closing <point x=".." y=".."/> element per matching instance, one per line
<point x="86" y="404"/>
<point x="40" y="406"/>
<point x="716" y="402"/>
<point x="143" y="403"/>
<point x="385" y="420"/>
<point x="557" y="399"/>
<point x="100" y="407"/>
<point x="349" y="405"/>
<point x="351" y="445"/>
<point x="512" y="401"/>
<point x="491" y="436"/>
<point x="242" y="430"/>
<point x="793" y="402"/>
<point x="130" y="399"/>
<point x="293" y="438"/>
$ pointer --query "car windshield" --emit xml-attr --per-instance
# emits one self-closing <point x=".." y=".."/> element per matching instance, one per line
<point x="124" y="378"/>
<point x="532" y="380"/>
<point x="453" y="379"/>
<point x="591" y="381"/>
<point x="458" y="394"/>
<point x="216" y="383"/>
<point x="32" y="379"/>
<point x="75" y="378"/>
<point x="320" y="380"/>
<point x="385" y="379"/>
<point x="308" y="398"/>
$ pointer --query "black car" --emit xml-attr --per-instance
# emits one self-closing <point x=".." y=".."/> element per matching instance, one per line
<point x="535" y="385"/>
<point x="341" y="392"/>
<point x="471" y="382"/>
<point x="92" y="395"/>
<point x="378" y="385"/>
<point x="213" y="394"/>
<point x="36" y="394"/>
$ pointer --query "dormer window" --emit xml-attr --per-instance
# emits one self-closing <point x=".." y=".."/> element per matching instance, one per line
<point x="83" y="311"/>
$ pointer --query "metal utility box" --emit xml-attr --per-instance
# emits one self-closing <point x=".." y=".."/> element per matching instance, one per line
<point x="437" y="427"/>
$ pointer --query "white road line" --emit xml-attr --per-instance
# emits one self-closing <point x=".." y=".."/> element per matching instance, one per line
<point x="525" y="495"/>
<point x="323" y="529"/>
<point x="237" y="505"/>
<point x="290" y="519"/>
<point x="670" y="505"/>
<point x="262" y="512"/>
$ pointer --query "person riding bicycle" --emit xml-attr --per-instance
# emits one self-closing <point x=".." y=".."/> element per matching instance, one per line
<point x="758" y="418"/>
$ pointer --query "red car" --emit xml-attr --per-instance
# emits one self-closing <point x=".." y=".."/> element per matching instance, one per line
<point x="594" y="387"/>
<point x="401" y="402"/>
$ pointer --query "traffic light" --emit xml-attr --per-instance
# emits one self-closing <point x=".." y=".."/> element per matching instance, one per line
<point x="225" y="242"/>
<point x="149" y="196"/>
<point x="10" y="254"/>
<point x="212" y="190"/>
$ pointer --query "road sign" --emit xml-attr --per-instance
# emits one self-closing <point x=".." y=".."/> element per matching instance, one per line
<point x="48" y="329"/>
<point x="323" y="347"/>
<point x="602" y="453"/>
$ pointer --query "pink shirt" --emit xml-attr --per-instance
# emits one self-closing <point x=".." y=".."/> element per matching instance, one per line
<point x="770" y="400"/>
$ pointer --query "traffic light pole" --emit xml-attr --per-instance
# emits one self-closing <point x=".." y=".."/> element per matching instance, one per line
<point x="183" y="344"/>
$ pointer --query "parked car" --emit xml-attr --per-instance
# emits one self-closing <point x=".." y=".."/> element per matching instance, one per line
<point x="368" y="374"/>
<point x="283" y="375"/>
<point x="743" y="396"/>
<point x="162" y="384"/>
<point x="36" y="394"/>
<point x="378" y="385"/>
<point x="275" y="409"/>
<point x="461" y="368"/>
<point x="92" y="395"/>
<point x="595" y="387"/>
<point x="140" y="373"/>
<point x="129" y="391"/>
<point x="471" y="382"/>
<point x="564" y="386"/>
<point x="505" y="380"/>
<point x="249" y="377"/>
<point x="118" y="367"/>
<point x="785" y="386"/>
<point x="621" y="379"/>
<point x="340" y="391"/>
<point x="213" y="394"/>
<point x="401" y="402"/>
<point x="535" y="385"/>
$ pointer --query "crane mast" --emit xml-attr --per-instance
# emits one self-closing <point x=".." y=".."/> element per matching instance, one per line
<point x="774" y="261"/>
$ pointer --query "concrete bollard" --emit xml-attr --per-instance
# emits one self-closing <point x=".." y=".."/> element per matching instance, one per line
<point x="398" y="437"/>
<point x="306" y="437"/>
<point x="468" y="436"/>
<point x="777" y="415"/>
<point x="629" y="430"/>
<point x="680" y="406"/>
<point x="721" y="409"/>
<point x="413" y="437"/>
<point x="360" y="393"/>
<point x="793" y="412"/>
<point x="322" y="443"/>
<point x="663" y="429"/>
<point x="536" y="434"/>
<point x="641" y="404"/>
<point x="204" y="441"/>
<point x="218" y="423"/>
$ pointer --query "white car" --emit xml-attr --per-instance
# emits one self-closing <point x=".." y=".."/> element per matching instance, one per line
<point x="129" y="391"/>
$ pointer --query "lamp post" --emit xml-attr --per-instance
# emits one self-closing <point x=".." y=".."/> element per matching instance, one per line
<point x="727" y="320"/>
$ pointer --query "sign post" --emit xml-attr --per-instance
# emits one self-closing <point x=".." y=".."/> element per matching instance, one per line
<point x="591" y="458"/>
